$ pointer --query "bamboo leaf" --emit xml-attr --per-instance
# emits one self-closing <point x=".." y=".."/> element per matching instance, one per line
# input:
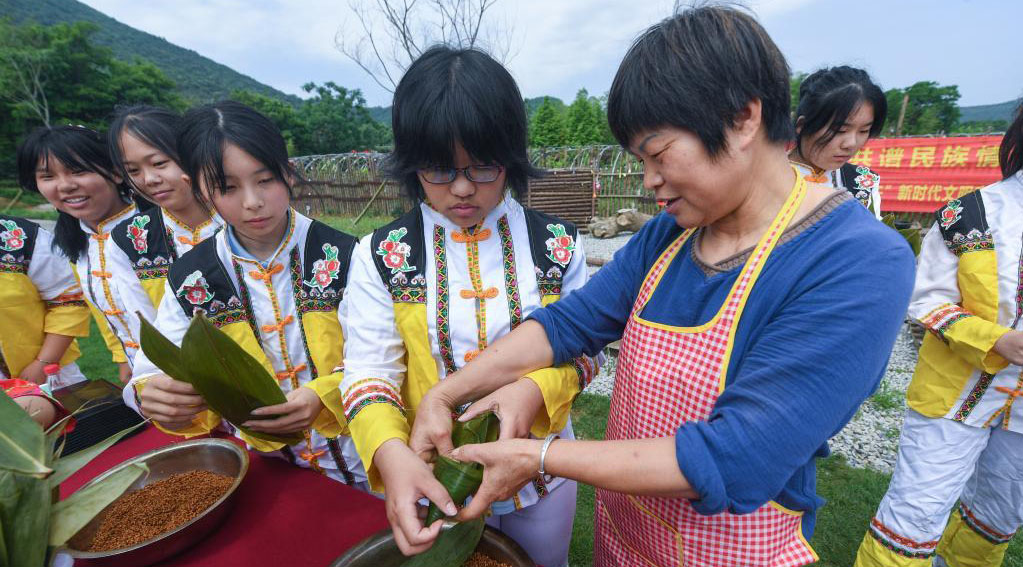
<point x="68" y="466"/>
<point x="162" y="352"/>
<point x="72" y="513"/>
<point x="462" y="479"/>
<point x="25" y="515"/>
<point x="232" y="382"/>
<point x="22" y="441"/>
<point x="453" y="546"/>
<point x="3" y="547"/>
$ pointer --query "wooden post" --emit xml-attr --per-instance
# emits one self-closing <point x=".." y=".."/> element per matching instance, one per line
<point x="902" y="115"/>
<point x="370" y="202"/>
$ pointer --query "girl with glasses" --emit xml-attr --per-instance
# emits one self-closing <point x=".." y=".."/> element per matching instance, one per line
<point x="466" y="265"/>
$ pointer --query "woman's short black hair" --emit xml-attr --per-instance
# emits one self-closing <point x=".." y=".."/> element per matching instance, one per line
<point x="1010" y="155"/>
<point x="458" y="96"/>
<point x="697" y="70"/>
<point x="152" y="125"/>
<point x="77" y="148"/>
<point x="204" y="132"/>
<point x="828" y="96"/>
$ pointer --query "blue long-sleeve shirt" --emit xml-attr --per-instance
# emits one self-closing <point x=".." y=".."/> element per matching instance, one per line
<point x="812" y="344"/>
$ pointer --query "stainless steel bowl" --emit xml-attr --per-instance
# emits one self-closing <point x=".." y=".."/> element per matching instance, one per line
<point x="214" y="455"/>
<point x="379" y="550"/>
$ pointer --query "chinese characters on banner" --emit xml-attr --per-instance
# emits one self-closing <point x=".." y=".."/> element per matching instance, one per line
<point x="921" y="174"/>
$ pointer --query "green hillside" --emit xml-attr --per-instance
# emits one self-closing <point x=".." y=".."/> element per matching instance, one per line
<point x="198" y="78"/>
<point x="988" y="112"/>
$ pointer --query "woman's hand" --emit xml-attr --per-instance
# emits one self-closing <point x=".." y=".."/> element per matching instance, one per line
<point x="407" y="479"/>
<point x="33" y="372"/>
<point x="1010" y="346"/>
<point x="297" y="414"/>
<point x="507" y="467"/>
<point x="171" y="403"/>
<point x="516" y="405"/>
<point x="431" y="432"/>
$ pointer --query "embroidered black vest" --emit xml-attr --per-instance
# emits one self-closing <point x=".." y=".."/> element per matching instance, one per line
<point x="407" y="281"/>
<point x="17" y="243"/>
<point x="963" y="224"/>
<point x="143" y="238"/>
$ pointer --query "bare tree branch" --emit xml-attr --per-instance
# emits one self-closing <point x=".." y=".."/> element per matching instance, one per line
<point x="393" y="33"/>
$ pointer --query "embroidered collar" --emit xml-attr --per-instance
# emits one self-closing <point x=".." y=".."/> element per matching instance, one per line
<point x="240" y="253"/>
<point x="102" y="226"/>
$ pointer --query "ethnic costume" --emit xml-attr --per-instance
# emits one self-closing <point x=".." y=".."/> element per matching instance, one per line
<point x="285" y="312"/>
<point x="860" y="181"/>
<point x="708" y="357"/>
<point x="963" y="433"/>
<point x="150" y="239"/>
<point x="426" y="296"/>
<point x="38" y="295"/>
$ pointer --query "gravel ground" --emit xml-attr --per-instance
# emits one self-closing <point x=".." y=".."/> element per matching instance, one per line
<point x="869" y="440"/>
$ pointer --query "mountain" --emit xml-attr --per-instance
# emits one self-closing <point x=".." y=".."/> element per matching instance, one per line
<point x="989" y="112"/>
<point x="198" y="78"/>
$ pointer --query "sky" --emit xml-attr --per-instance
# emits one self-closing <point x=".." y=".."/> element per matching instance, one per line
<point x="557" y="47"/>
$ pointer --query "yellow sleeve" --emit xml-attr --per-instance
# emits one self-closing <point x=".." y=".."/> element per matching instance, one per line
<point x="559" y="385"/>
<point x="68" y="319"/>
<point x="973" y="339"/>
<point x="370" y="427"/>
<point x="113" y="345"/>
<point x="331" y="422"/>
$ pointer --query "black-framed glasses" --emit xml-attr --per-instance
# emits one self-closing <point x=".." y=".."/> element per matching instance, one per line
<point x="474" y="173"/>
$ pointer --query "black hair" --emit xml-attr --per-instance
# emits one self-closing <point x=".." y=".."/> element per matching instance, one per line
<point x="204" y="132"/>
<point x="697" y="70"/>
<point x="828" y="96"/>
<point x="152" y="125"/>
<point x="77" y="148"/>
<point x="1010" y="154"/>
<point x="458" y="96"/>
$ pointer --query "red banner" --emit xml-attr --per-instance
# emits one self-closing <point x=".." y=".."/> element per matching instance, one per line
<point x="921" y="174"/>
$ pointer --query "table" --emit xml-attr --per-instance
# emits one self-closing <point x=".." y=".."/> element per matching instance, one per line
<point x="284" y="515"/>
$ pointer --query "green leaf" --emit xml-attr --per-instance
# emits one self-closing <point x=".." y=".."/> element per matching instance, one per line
<point x="22" y="441"/>
<point x="232" y="382"/>
<point x="3" y="547"/>
<point x="462" y="479"/>
<point x="453" y="546"/>
<point x="74" y="512"/>
<point x="68" y="466"/>
<point x="25" y="504"/>
<point x="162" y="352"/>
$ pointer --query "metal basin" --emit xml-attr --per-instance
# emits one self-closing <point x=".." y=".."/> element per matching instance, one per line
<point x="379" y="550"/>
<point x="214" y="455"/>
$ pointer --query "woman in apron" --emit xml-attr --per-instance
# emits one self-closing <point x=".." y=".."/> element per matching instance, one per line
<point x="753" y="321"/>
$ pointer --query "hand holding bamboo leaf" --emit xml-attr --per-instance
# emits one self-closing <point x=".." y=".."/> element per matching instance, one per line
<point x="169" y="402"/>
<point x="297" y="414"/>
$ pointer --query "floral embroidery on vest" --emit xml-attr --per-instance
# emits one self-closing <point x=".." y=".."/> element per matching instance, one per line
<point x="195" y="289"/>
<point x="951" y="213"/>
<point x="138" y="233"/>
<point x="866" y="179"/>
<point x="395" y="252"/>
<point x="560" y="248"/>
<point x="325" y="270"/>
<point x="13" y="236"/>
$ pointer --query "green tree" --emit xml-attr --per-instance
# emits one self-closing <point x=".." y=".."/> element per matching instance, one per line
<point x="794" y="83"/>
<point x="582" y="125"/>
<point x="57" y="75"/>
<point x="284" y="115"/>
<point x="547" y="128"/>
<point x="932" y="108"/>
<point x="336" y="120"/>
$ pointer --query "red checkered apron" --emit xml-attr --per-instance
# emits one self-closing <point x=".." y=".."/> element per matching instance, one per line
<point x="668" y="376"/>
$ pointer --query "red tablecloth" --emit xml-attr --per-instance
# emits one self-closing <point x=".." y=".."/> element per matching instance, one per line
<point x="284" y="515"/>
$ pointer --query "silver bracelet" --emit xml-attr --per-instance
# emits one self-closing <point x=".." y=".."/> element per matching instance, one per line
<point x="543" y="455"/>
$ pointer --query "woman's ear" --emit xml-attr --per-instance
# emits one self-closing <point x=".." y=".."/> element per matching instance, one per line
<point x="799" y="124"/>
<point x="747" y="123"/>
